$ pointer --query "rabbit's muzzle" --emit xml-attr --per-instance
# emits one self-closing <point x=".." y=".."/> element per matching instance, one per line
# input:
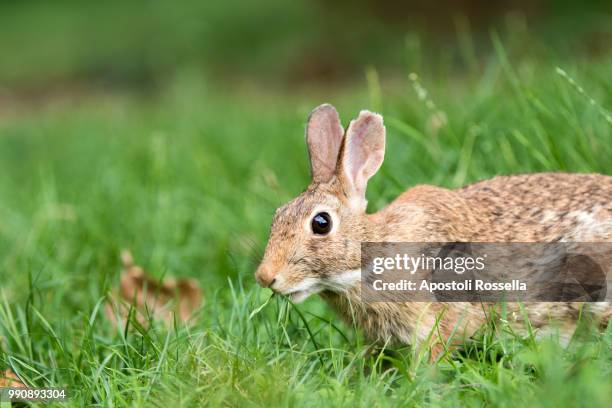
<point x="265" y="276"/>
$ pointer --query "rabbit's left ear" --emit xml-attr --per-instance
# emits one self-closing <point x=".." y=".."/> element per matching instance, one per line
<point x="362" y="154"/>
<point x="324" y="135"/>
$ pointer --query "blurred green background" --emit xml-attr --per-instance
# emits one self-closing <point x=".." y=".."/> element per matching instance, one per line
<point x="142" y="44"/>
<point x="174" y="129"/>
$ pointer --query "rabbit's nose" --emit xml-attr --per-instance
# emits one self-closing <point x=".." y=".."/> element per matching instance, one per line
<point x="265" y="276"/>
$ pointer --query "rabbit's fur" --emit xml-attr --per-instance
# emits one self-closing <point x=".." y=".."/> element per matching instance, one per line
<point x="544" y="207"/>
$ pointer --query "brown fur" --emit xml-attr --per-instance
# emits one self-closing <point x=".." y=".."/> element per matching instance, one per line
<point x="544" y="207"/>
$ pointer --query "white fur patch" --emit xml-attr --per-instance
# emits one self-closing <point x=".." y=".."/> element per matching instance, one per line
<point x="300" y="291"/>
<point x="304" y="285"/>
<point x="599" y="308"/>
<point x="357" y="203"/>
<point x="345" y="280"/>
<point x="549" y="216"/>
<point x="300" y="296"/>
<point x="310" y="286"/>
<point x="589" y="226"/>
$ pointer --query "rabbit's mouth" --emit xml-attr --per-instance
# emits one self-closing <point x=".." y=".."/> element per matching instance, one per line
<point x="297" y="291"/>
<point x="299" y="295"/>
<point x="338" y="283"/>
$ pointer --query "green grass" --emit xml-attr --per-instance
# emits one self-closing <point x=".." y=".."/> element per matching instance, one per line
<point x="188" y="180"/>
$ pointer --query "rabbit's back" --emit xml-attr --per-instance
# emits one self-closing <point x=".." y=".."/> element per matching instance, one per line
<point x="544" y="207"/>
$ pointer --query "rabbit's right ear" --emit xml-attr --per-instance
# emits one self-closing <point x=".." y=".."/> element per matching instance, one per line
<point x="324" y="135"/>
<point x="362" y="155"/>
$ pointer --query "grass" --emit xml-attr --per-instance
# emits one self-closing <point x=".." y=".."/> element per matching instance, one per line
<point x="188" y="179"/>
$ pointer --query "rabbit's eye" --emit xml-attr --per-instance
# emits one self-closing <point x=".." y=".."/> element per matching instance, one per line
<point x="321" y="223"/>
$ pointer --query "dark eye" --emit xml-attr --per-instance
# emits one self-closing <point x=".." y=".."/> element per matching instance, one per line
<point x="321" y="223"/>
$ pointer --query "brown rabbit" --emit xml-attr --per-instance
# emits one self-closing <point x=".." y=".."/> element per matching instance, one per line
<point x="315" y="239"/>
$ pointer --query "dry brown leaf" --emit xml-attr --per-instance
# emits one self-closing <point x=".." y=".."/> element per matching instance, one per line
<point x="150" y="297"/>
<point x="8" y="379"/>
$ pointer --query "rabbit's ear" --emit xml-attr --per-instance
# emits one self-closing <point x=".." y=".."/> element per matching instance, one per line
<point x="324" y="137"/>
<point x="363" y="153"/>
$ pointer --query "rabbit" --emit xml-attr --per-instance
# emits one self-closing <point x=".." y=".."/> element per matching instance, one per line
<point x="315" y="240"/>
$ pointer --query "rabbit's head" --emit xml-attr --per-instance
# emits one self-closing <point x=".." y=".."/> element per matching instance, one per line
<point x="315" y="239"/>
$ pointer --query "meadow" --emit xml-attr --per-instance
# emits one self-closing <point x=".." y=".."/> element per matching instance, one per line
<point x="187" y="178"/>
